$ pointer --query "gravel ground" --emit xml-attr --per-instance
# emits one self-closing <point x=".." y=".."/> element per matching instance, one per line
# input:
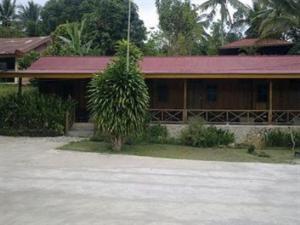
<point x="43" y="186"/>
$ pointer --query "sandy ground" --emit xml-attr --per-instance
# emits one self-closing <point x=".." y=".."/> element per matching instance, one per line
<point x="43" y="186"/>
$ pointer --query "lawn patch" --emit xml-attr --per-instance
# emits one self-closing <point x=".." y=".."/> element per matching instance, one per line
<point x="184" y="152"/>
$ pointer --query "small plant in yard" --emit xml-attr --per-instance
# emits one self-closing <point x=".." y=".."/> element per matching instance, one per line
<point x="251" y="149"/>
<point x="157" y="134"/>
<point x="119" y="98"/>
<point x="198" y="135"/>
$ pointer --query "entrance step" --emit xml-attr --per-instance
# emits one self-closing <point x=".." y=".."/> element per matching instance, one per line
<point x="85" y="130"/>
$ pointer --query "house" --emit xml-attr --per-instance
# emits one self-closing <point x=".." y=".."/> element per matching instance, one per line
<point x="256" y="46"/>
<point x="13" y="48"/>
<point x="248" y="90"/>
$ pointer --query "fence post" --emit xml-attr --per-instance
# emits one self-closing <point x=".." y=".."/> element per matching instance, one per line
<point x="185" y="112"/>
<point x="270" y="102"/>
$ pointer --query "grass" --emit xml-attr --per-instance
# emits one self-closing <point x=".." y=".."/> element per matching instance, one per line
<point x="6" y="89"/>
<point x="184" y="152"/>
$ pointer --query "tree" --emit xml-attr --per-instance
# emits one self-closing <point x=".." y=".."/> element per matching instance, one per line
<point x="223" y="5"/>
<point x="7" y="12"/>
<point x="156" y="45"/>
<point x="57" y="12"/>
<point x="106" y="21"/>
<point x="181" y="26"/>
<point x="280" y="19"/>
<point x="107" y="24"/>
<point x="29" y="16"/>
<point x="119" y="98"/>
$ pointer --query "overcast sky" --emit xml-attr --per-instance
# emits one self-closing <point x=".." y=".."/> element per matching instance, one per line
<point x="147" y="9"/>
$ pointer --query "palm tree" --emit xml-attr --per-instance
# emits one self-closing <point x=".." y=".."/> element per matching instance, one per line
<point x="74" y="40"/>
<point x="213" y="5"/>
<point x="279" y="17"/>
<point x="29" y="16"/>
<point x="7" y="12"/>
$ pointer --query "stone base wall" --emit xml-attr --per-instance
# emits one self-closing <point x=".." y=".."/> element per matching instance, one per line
<point x="244" y="134"/>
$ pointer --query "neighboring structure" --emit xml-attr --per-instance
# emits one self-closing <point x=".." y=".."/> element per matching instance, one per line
<point x="248" y="90"/>
<point x="256" y="46"/>
<point x="13" y="48"/>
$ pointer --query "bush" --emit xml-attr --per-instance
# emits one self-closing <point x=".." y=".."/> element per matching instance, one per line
<point x="157" y="134"/>
<point x="198" y="135"/>
<point x="251" y="149"/>
<point x="278" y="138"/>
<point x="33" y="114"/>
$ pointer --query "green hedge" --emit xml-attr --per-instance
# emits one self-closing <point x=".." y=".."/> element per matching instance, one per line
<point x="198" y="135"/>
<point x="33" y="114"/>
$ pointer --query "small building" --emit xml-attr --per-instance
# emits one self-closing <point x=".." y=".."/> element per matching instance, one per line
<point x="247" y="90"/>
<point x="13" y="48"/>
<point x="256" y="46"/>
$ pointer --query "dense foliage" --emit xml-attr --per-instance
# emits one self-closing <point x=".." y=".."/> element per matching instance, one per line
<point x="180" y="26"/>
<point x="198" y="135"/>
<point x="119" y="98"/>
<point x="33" y="114"/>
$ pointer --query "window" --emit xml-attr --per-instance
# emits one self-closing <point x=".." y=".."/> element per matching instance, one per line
<point x="3" y="66"/>
<point x="163" y="93"/>
<point x="262" y="93"/>
<point x="211" y="93"/>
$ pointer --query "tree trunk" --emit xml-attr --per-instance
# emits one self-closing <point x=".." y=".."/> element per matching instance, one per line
<point x="117" y="143"/>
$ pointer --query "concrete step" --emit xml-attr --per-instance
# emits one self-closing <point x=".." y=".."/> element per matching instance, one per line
<point x="85" y="130"/>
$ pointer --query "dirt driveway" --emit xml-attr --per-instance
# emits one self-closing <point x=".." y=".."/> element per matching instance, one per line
<point x="42" y="186"/>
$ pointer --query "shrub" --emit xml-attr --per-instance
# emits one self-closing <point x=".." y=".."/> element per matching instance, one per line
<point x="157" y="134"/>
<point x="278" y="138"/>
<point x="198" y="135"/>
<point x="251" y="149"/>
<point x="33" y="114"/>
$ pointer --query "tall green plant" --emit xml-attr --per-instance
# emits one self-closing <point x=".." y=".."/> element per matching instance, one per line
<point x="74" y="39"/>
<point x="119" y="98"/>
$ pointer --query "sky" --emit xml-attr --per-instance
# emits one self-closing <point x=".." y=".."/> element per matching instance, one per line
<point x="147" y="10"/>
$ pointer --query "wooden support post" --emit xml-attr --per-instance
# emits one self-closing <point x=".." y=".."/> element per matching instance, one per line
<point x="20" y="86"/>
<point x="270" y="102"/>
<point x="185" y="113"/>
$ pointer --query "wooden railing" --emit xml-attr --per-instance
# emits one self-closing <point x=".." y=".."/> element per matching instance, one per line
<point x="234" y="117"/>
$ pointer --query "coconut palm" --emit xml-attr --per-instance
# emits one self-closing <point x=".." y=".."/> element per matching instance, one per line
<point x="223" y="5"/>
<point x="279" y="17"/>
<point x="29" y="16"/>
<point x="7" y="12"/>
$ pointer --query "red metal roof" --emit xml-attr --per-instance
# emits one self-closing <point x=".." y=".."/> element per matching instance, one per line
<point x="12" y="46"/>
<point x="176" y="65"/>
<point x="255" y="42"/>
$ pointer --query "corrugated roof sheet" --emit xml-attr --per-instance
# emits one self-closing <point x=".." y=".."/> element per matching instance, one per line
<point x="10" y="46"/>
<point x="176" y="65"/>
<point x="255" y="42"/>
